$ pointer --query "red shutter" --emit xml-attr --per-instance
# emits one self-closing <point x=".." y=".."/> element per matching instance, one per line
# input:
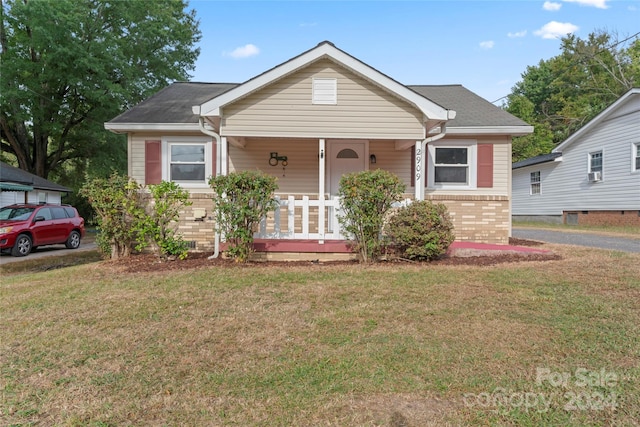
<point x="485" y="165"/>
<point x="152" y="162"/>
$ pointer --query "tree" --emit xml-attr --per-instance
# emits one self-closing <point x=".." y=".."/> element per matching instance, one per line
<point x="70" y="65"/>
<point x="561" y="94"/>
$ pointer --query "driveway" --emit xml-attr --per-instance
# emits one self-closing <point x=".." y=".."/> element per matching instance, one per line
<point x="601" y="241"/>
<point x="47" y="251"/>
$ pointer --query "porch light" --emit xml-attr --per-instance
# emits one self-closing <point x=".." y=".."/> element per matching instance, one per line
<point x="372" y="159"/>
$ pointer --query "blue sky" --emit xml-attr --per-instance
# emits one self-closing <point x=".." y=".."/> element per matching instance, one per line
<point x="483" y="45"/>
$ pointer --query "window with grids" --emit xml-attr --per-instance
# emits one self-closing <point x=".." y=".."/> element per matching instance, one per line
<point x="596" y="161"/>
<point x="187" y="162"/>
<point x="535" y="183"/>
<point x="636" y="156"/>
<point x="451" y="165"/>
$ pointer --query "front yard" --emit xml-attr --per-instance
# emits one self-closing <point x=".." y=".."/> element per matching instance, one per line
<point x="521" y="343"/>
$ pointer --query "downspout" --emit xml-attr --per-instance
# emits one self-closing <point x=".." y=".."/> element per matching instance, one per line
<point x="216" y="239"/>
<point x="425" y="142"/>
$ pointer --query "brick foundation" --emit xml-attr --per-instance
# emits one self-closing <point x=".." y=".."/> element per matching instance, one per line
<point x="616" y="218"/>
<point x="482" y="219"/>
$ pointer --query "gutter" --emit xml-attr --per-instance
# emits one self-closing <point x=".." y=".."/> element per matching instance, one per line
<point x="216" y="240"/>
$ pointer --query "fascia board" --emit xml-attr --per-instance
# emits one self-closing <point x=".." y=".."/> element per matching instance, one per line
<point x="429" y="109"/>
<point x="490" y="130"/>
<point x="133" y="127"/>
<point x="597" y="119"/>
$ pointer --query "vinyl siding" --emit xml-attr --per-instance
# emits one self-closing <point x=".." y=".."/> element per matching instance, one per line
<point x="301" y="174"/>
<point x="285" y="109"/>
<point x="565" y="186"/>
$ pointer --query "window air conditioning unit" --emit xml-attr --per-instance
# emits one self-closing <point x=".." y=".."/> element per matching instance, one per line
<point x="595" y="176"/>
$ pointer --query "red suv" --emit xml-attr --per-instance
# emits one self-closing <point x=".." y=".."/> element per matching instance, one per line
<point x="25" y="227"/>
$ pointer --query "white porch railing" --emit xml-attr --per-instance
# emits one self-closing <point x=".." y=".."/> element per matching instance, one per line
<point x="302" y="219"/>
<point x="305" y="219"/>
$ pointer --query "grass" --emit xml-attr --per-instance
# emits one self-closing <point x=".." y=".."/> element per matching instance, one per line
<point x="343" y="345"/>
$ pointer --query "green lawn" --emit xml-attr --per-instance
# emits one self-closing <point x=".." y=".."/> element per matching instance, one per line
<point x="528" y="343"/>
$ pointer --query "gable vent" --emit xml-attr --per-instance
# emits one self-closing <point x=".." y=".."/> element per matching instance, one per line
<point x="325" y="91"/>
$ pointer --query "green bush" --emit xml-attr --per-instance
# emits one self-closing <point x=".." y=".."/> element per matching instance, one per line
<point x="241" y="200"/>
<point x="420" y="231"/>
<point x="119" y="207"/>
<point x="158" y="227"/>
<point x="366" y="197"/>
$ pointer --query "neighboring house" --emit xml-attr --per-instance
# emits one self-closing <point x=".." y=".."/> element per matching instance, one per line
<point x="312" y="119"/>
<point x="19" y="186"/>
<point x="593" y="177"/>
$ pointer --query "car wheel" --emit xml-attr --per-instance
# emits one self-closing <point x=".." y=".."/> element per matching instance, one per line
<point x="22" y="247"/>
<point x="73" y="242"/>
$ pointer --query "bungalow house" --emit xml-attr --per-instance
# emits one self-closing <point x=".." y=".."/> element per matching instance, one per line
<point x="19" y="186"/>
<point x="312" y="119"/>
<point x="593" y="177"/>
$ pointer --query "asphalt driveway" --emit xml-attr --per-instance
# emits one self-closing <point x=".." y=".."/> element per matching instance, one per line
<point x="47" y="251"/>
<point x="624" y="244"/>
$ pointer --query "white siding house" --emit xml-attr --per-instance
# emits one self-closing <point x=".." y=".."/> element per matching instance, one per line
<point x="19" y="186"/>
<point x="592" y="177"/>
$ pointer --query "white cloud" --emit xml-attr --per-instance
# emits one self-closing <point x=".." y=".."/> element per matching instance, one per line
<point x="551" y="6"/>
<point x="600" y="4"/>
<point x="555" y="30"/>
<point x="487" y="44"/>
<point x="243" y="51"/>
<point x="517" y="34"/>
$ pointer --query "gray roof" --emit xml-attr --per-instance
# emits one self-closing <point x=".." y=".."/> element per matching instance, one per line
<point x="543" y="158"/>
<point x="471" y="109"/>
<point x="11" y="174"/>
<point x="173" y="103"/>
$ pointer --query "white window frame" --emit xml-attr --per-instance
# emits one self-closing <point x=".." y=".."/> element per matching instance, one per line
<point x="168" y="141"/>
<point x="324" y="91"/>
<point x="535" y="183"/>
<point x="590" y="158"/>
<point x="472" y="164"/>
<point x="635" y="156"/>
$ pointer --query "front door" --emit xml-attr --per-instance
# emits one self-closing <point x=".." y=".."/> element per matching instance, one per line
<point x="345" y="157"/>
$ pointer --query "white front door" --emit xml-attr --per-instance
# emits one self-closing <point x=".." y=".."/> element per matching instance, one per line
<point x="345" y="157"/>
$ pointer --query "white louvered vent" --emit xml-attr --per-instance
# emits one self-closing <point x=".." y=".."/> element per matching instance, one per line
<point x="325" y="91"/>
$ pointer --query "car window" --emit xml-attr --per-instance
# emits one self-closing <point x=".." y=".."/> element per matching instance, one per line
<point x="44" y="212"/>
<point x="15" y="214"/>
<point x="58" y="213"/>
<point x="70" y="211"/>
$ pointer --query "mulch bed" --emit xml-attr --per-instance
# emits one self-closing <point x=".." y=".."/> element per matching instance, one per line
<point x="142" y="263"/>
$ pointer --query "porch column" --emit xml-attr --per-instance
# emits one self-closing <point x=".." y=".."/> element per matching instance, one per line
<point x="224" y="158"/>
<point x="419" y="162"/>
<point x="321" y="183"/>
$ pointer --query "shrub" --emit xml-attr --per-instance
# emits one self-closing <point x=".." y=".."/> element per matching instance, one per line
<point x="158" y="227"/>
<point x="119" y="207"/>
<point x="421" y="230"/>
<point x="241" y="200"/>
<point x="365" y="199"/>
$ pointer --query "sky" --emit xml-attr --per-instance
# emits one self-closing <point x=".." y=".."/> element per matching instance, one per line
<point x="483" y="45"/>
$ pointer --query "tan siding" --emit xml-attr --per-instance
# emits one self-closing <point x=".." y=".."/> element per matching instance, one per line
<point x="396" y="161"/>
<point x="300" y="175"/>
<point x="501" y="168"/>
<point x="284" y="108"/>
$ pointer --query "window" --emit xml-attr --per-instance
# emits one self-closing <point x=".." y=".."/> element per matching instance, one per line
<point x="186" y="160"/>
<point x="452" y="165"/>
<point x="535" y="183"/>
<point x="325" y="91"/>
<point x="635" y="157"/>
<point x="595" y="161"/>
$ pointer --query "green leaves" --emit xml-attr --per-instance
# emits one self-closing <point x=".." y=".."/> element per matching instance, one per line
<point x="242" y="199"/>
<point x="561" y="94"/>
<point x="68" y="66"/>
<point x="365" y="199"/>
